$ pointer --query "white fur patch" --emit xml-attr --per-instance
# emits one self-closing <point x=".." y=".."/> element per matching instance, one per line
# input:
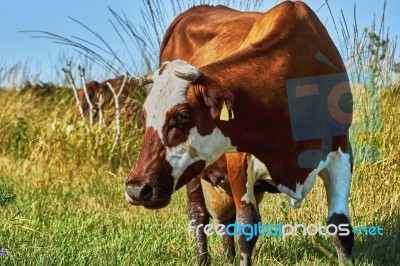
<point x="256" y="170"/>
<point x="337" y="180"/>
<point x="168" y="91"/>
<point x="209" y="148"/>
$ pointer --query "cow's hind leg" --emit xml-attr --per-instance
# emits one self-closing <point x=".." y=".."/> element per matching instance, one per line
<point x="337" y="180"/>
<point x="198" y="213"/>
<point x="245" y="203"/>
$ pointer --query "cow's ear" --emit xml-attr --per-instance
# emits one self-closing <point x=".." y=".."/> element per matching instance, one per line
<point x="219" y="99"/>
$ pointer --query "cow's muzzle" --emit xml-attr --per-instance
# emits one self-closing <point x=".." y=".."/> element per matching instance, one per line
<point x="143" y="194"/>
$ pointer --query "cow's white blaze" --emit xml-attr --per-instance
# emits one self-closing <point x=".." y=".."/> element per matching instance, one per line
<point x="209" y="149"/>
<point x="336" y="174"/>
<point x="168" y="91"/>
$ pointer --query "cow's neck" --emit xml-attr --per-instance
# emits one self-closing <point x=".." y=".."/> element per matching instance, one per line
<point x="262" y="121"/>
<point x="258" y="109"/>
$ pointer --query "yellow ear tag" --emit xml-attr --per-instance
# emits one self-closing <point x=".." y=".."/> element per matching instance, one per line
<point x="224" y="116"/>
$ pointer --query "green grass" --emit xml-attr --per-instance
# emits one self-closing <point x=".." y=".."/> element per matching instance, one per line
<point x="70" y="207"/>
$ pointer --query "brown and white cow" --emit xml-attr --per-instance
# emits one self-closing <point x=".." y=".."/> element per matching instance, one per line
<point x="247" y="88"/>
<point x="101" y="96"/>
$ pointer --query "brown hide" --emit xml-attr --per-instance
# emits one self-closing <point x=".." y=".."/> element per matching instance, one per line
<point x="271" y="54"/>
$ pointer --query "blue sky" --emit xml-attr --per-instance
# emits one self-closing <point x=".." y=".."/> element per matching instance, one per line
<point x="44" y="56"/>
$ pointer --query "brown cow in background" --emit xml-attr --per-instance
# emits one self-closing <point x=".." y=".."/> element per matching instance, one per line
<point x="131" y="106"/>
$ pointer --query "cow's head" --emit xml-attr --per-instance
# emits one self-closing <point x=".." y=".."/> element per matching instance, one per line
<point x="181" y="136"/>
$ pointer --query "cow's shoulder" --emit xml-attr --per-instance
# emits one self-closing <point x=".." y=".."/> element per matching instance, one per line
<point x="182" y="19"/>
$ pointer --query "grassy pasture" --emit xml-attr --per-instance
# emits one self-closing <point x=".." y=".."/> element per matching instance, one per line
<point x="70" y="208"/>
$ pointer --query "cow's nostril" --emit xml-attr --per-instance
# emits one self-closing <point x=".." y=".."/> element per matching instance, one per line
<point x="146" y="193"/>
<point x="141" y="193"/>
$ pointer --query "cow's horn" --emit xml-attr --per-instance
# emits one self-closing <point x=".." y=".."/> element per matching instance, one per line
<point x="189" y="76"/>
<point x="141" y="81"/>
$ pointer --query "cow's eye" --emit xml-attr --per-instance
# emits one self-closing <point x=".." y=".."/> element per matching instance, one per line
<point x="182" y="116"/>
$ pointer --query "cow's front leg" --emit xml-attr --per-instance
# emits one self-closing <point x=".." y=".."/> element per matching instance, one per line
<point x="228" y="241"/>
<point x="199" y="215"/>
<point x="337" y="181"/>
<point x="245" y="203"/>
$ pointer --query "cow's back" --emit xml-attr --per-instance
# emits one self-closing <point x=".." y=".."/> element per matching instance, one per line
<point x="205" y="34"/>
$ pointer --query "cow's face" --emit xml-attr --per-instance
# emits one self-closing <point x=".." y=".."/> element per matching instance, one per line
<point x="181" y="136"/>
